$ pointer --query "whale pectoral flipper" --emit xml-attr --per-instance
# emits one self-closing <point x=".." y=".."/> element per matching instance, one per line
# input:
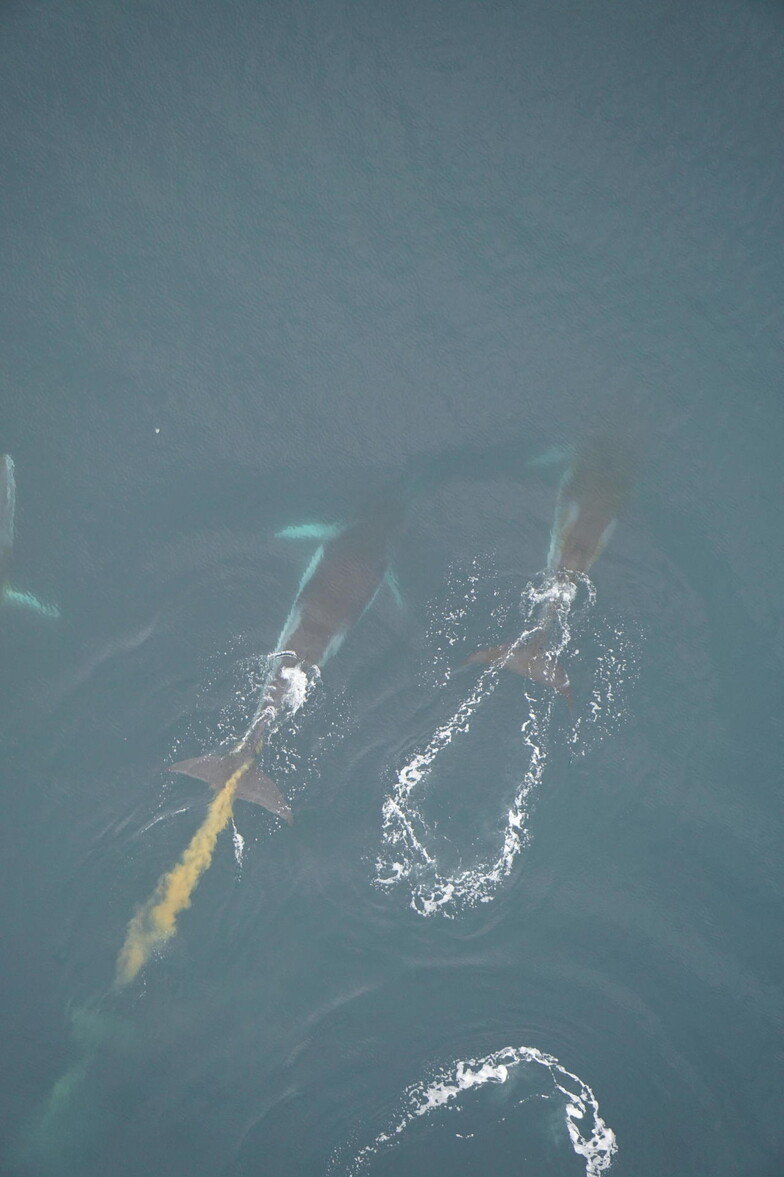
<point x="253" y="785"/>
<point x="22" y="600"/>
<point x="320" y="532"/>
<point x="394" y="587"/>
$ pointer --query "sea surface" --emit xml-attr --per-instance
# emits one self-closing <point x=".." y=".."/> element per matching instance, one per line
<point x="268" y="262"/>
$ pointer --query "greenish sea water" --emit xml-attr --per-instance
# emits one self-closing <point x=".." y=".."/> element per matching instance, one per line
<point x="263" y="263"/>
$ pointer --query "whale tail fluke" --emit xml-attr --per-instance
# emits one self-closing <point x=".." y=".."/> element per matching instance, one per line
<point x="252" y="785"/>
<point x="532" y="660"/>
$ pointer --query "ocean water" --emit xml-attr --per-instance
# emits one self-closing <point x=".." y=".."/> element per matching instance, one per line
<point x="265" y="262"/>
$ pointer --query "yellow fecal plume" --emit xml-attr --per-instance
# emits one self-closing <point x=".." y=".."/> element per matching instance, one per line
<point x="156" y="921"/>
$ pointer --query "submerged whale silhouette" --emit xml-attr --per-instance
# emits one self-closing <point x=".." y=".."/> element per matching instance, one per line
<point x="590" y="498"/>
<point x="339" y="585"/>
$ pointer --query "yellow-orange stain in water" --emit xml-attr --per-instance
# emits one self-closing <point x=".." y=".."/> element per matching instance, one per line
<point x="156" y="921"/>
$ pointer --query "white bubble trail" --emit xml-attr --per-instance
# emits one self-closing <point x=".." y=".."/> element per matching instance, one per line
<point x="239" y="844"/>
<point x="408" y="854"/>
<point x="589" y="1135"/>
<point x="406" y="836"/>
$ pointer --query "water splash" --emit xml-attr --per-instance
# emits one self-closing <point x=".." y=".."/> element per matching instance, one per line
<point x="589" y="1135"/>
<point x="239" y="844"/>
<point x="409" y="855"/>
<point x="449" y="619"/>
<point x="616" y="670"/>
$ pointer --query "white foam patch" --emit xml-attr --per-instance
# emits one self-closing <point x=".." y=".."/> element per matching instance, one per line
<point x="239" y="844"/>
<point x="285" y="752"/>
<point x="588" y="1134"/>
<point x="448" y="620"/>
<point x="615" y="672"/>
<point x="238" y="685"/>
<point x="298" y="684"/>
<point x="408" y="855"/>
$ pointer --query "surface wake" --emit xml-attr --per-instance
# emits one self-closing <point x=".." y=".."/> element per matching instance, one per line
<point x="409" y="854"/>
<point x="589" y="1135"/>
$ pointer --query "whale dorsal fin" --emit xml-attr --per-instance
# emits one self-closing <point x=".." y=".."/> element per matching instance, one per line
<point x="318" y="532"/>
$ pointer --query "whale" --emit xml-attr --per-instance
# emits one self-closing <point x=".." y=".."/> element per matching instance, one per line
<point x="591" y="495"/>
<point x="8" y="594"/>
<point x="350" y="565"/>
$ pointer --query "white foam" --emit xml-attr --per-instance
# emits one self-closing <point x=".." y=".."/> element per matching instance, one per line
<point x="615" y="672"/>
<point x="239" y="844"/>
<point x="448" y="620"/>
<point x="408" y="852"/>
<point x="589" y="1135"/>
<point x="297" y="683"/>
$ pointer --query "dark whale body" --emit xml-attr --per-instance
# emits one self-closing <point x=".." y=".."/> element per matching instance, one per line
<point x="339" y="585"/>
<point x="591" y="495"/>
